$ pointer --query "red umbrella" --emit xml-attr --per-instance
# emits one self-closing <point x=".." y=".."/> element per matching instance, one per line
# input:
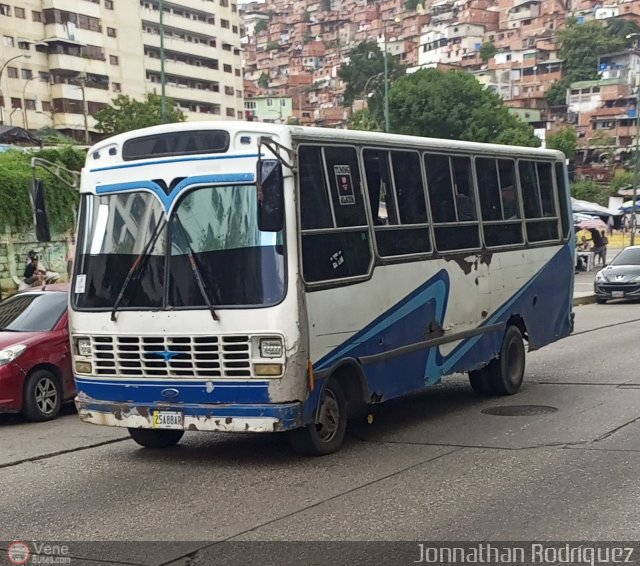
<point x="593" y="223"/>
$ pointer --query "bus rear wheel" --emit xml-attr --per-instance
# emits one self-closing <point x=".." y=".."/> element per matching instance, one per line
<point x="479" y="380"/>
<point x="506" y="372"/>
<point x="327" y="434"/>
<point x="149" y="438"/>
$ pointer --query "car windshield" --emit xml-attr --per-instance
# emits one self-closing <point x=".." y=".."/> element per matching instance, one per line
<point x="32" y="312"/>
<point x="215" y="226"/>
<point x="630" y="256"/>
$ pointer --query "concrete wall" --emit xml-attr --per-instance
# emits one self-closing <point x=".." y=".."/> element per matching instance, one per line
<point x="14" y="247"/>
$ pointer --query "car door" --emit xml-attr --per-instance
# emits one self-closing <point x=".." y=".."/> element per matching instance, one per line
<point x="62" y="347"/>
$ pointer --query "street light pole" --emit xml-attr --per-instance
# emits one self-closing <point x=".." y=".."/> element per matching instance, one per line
<point x="2" y="71"/>
<point x="637" y="156"/>
<point x="386" y="80"/>
<point x="163" y="95"/>
<point x="25" y="117"/>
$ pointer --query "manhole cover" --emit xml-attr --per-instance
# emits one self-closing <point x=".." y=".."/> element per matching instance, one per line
<point x="519" y="410"/>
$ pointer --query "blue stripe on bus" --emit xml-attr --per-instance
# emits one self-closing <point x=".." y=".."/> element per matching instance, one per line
<point x="429" y="301"/>
<point x="168" y="199"/>
<point x="175" y="160"/>
<point x="150" y="391"/>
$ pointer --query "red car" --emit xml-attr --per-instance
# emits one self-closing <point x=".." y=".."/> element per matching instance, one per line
<point x="35" y="359"/>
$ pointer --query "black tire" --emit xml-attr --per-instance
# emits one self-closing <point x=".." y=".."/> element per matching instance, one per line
<point x="479" y="380"/>
<point x="600" y="300"/>
<point x="327" y="435"/>
<point x="507" y="371"/>
<point x="42" y="396"/>
<point x="150" y="438"/>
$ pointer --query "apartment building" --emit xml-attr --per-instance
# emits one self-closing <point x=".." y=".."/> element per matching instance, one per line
<point x="62" y="61"/>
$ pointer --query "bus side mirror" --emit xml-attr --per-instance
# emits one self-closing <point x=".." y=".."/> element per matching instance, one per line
<point x="39" y="207"/>
<point x="270" y="195"/>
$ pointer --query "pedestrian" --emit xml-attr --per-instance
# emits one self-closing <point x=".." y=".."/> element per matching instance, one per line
<point x="33" y="276"/>
<point x="599" y="247"/>
<point x="71" y="252"/>
<point x="610" y="224"/>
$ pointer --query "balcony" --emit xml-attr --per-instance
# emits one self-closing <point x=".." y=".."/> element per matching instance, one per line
<point x="179" y="22"/>
<point x="180" y="69"/>
<point x="192" y="94"/>
<point x="74" y="92"/>
<point x="77" y="64"/>
<point x="181" y="46"/>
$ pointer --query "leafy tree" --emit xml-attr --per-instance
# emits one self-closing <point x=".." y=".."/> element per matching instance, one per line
<point x="620" y="28"/>
<point x="487" y="50"/>
<point x="411" y="4"/>
<point x="363" y="120"/>
<point x="365" y="61"/>
<point x="326" y="5"/>
<point x="261" y="25"/>
<point x="621" y="180"/>
<point x="127" y="114"/>
<point x="263" y="81"/>
<point x="453" y="105"/>
<point x="557" y="93"/>
<point x="273" y="45"/>
<point x="564" y="140"/>
<point x="15" y="180"/>
<point x="586" y="189"/>
<point x="582" y="44"/>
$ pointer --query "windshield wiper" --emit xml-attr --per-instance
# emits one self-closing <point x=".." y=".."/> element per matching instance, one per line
<point x="196" y="270"/>
<point x="144" y="254"/>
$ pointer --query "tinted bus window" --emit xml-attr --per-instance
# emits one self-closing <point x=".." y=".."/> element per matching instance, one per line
<point x="536" y="183"/>
<point x="315" y="211"/>
<point x="563" y="199"/>
<point x="344" y="180"/>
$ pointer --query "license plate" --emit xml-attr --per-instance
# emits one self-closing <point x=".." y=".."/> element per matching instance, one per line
<point x="617" y="294"/>
<point x="167" y="419"/>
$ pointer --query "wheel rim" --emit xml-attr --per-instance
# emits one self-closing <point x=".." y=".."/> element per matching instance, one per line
<point x="329" y="417"/>
<point x="514" y="362"/>
<point x="46" y="395"/>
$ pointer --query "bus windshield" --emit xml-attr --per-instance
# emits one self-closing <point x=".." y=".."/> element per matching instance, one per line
<point x="240" y="264"/>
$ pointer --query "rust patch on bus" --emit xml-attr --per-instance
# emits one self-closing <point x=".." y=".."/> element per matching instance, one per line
<point x="462" y="262"/>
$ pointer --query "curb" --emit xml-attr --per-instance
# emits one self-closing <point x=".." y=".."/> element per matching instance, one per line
<point x="585" y="300"/>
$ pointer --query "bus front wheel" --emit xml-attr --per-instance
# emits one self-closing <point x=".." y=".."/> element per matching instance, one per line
<point x="150" y="438"/>
<point x="327" y="434"/>
<point x="506" y="372"/>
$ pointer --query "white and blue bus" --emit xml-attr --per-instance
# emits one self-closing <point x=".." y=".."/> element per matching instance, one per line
<point x="248" y="277"/>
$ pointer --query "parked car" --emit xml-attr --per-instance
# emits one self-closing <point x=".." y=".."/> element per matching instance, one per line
<point x="621" y="278"/>
<point x="35" y="360"/>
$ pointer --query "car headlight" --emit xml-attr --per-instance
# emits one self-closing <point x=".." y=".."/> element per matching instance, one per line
<point x="271" y="348"/>
<point x="83" y="347"/>
<point x="11" y="353"/>
<point x="600" y="276"/>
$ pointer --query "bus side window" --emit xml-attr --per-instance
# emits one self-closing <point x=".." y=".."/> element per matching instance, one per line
<point x="335" y="234"/>
<point x="452" y="199"/>
<point x="499" y="202"/>
<point x="315" y="211"/>
<point x="539" y="203"/>
<point x="563" y="199"/>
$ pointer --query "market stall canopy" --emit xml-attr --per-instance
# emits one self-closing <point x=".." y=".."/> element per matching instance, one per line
<point x="587" y="207"/>
<point x="14" y="135"/>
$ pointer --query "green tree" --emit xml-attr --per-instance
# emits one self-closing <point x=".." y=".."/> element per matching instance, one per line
<point x="15" y="180"/>
<point x="326" y="5"/>
<point x="557" y="93"/>
<point x="411" y="4"/>
<point x="263" y="81"/>
<point x="621" y="180"/>
<point x="363" y="120"/>
<point x="487" y="50"/>
<point x="620" y="28"/>
<point x="582" y="44"/>
<point x="273" y="45"/>
<point x="127" y="114"/>
<point x="453" y="105"/>
<point x="261" y="25"/>
<point x="366" y="60"/>
<point x="564" y="140"/>
<point x="586" y="189"/>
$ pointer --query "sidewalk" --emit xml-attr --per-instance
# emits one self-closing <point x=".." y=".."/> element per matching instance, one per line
<point x="583" y="280"/>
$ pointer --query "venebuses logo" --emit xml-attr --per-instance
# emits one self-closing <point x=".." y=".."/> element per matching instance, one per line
<point x="18" y="552"/>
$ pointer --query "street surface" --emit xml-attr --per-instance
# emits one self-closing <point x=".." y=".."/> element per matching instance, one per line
<point x="432" y="467"/>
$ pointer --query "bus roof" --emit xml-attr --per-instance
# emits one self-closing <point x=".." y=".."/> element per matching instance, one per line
<point x="330" y="135"/>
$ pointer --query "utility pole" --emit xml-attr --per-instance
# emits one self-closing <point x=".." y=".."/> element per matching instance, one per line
<point x="25" y="115"/>
<point x="82" y="79"/>
<point x="163" y="95"/>
<point x="636" y="160"/>
<point x="386" y="80"/>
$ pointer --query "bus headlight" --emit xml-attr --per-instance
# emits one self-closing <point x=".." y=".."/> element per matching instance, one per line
<point x="271" y="348"/>
<point x="83" y="347"/>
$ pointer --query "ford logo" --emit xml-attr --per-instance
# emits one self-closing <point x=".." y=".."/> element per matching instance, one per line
<point x="170" y="393"/>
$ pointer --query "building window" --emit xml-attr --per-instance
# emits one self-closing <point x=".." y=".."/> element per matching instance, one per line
<point x="224" y="3"/>
<point x="5" y="10"/>
<point x="250" y="105"/>
<point x="234" y="29"/>
<point x="225" y="24"/>
<point x="20" y="13"/>
<point x="215" y="109"/>
<point x="30" y="104"/>
<point x="116" y="87"/>
<point x="234" y="8"/>
<point x="108" y="4"/>
<point x="26" y="74"/>
<point x="111" y="32"/>
<point x="227" y="68"/>
<point x="238" y="94"/>
<point x="240" y="116"/>
<point x="228" y="90"/>
<point x="231" y="112"/>
<point x="237" y="72"/>
<point x="24" y="45"/>
<point x="36" y="16"/>
<point x="8" y="41"/>
<point x="16" y="103"/>
<point x="46" y="106"/>
<point x="113" y="59"/>
<point x="43" y="76"/>
<point x="12" y="72"/>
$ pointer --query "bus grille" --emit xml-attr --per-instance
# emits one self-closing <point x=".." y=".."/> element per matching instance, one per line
<point x="172" y="356"/>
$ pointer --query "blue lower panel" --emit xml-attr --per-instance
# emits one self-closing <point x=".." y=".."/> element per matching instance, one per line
<point x="150" y="391"/>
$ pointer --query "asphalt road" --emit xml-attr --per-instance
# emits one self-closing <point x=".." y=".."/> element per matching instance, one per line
<point x="432" y="467"/>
